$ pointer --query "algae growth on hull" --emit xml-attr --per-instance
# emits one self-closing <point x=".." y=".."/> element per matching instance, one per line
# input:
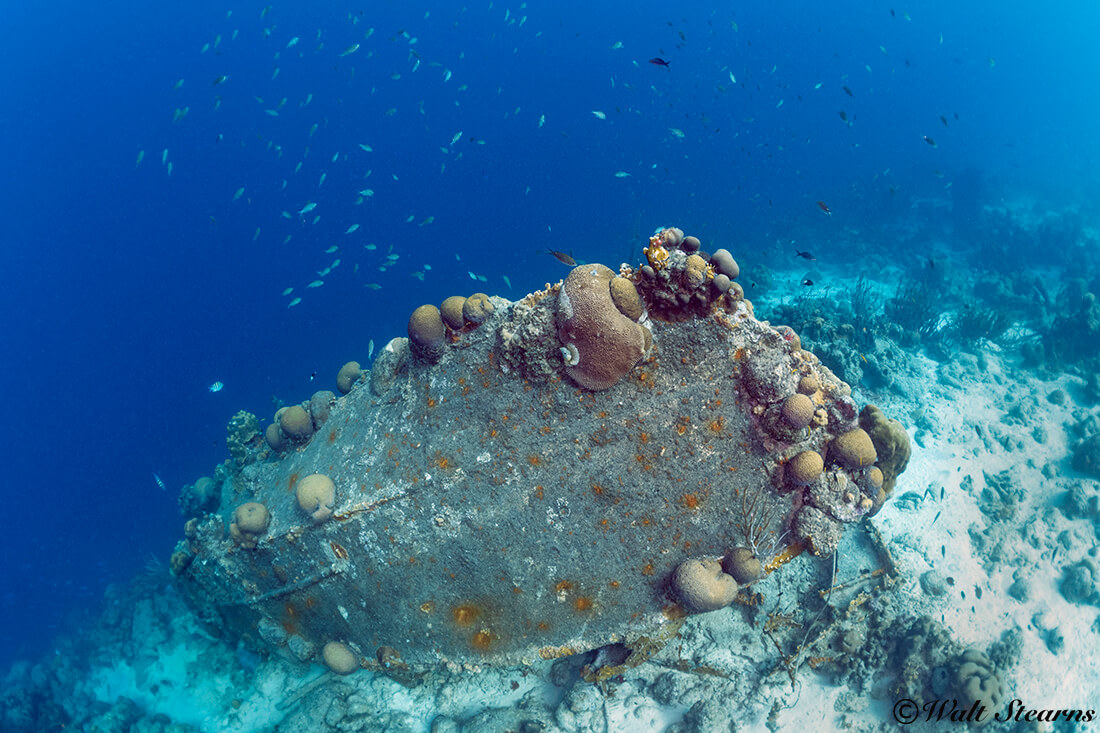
<point x="491" y="509"/>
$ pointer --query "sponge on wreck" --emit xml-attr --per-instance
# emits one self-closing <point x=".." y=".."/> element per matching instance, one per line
<point x="599" y="343"/>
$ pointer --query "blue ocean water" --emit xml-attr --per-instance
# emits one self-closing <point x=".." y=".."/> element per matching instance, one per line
<point x="496" y="130"/>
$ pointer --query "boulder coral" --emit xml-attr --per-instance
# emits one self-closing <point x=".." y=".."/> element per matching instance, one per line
<point x="599" y="344"/>
<point x="703" y="586"/>
<point x="320" y="404"/>
<point x="451" y="310"/>
<point x="891" y="444"/>
<point x="426" y="332"/>
<point x="347" y="376"/>
<point x="275" y="438"/>
<point x="695" y="270"/>
<point x="296" y="423"/>
<point x="477" y="308"/>
<point x="724" y="263"/>
<point x="798" y="410"/>
<point x="743" y="565"/>
<point x="339" y="658"/>
<point x="316" y="495"/>
<point x="804" y="468"/>
<point x="853" y="449"/>
<point x="626" y="298"/>
<point x="250" y="521"/>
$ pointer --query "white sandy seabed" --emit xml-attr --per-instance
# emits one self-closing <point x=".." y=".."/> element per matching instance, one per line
<point x="978" y="417"/>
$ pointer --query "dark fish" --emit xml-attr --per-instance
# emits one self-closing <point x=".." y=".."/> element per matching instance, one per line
<point x="312" y="376"/>
<point x="565" y="259"/>
<point x="892" y="15"/>
<point x="658" y="61"/>
<point x="805" y="255"/>
<point x="821" y="205"/>
<point x="956" y="115"/>
<point x="807" y="282"/>
<point x="943" y="120"/>
<point x="843" y="115"/>
<point x="848" y="91"/>
<point x="930" y="141"/>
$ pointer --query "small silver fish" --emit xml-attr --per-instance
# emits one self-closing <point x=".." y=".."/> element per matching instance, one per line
<point x="160" y="482"/>
<point x="216" y="387"/>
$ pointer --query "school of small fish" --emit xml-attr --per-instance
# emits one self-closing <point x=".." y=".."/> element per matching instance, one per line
<point x="321" y="173"/>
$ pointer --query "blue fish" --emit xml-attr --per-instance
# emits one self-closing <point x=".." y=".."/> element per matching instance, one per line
<point x="216" y="387"/>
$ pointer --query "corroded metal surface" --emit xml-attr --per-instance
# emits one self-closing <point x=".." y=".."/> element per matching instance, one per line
<point x="486" y="515"/>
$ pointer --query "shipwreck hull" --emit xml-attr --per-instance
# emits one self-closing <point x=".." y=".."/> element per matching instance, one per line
<point x="487" y="516"/>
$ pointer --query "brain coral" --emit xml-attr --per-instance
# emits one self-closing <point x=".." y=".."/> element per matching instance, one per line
<point x="853" y="449"/>
<point x="626" y="298"/>
<point x="250" y="520"/>
<point x="477" y="308"/>
<point x="978" y="681"/>
<point x="296" y="423"/>
<point x="805" y="467"/>
<point x="347" y="376"/>
<point x="451" y="309"/>
<point x="275" y="438"/>
<point x="695" y="271"/>
<point x="743" y="565"/>
<point x="798" y="410"/>
<point x="602" y="343"/>
<point x="426" y="332"/>
<point x="339" y="658"/>
<point x="703" y="586"/>
<point x="319" y="406"/>
<point x="316" y="496"/>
